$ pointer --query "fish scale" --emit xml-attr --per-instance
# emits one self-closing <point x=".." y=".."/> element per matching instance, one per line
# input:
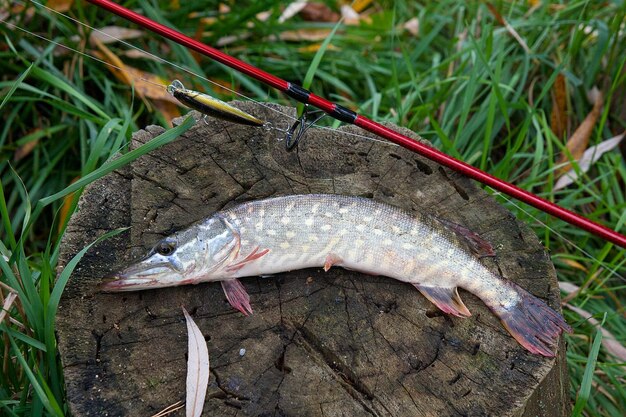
<point x="281" y="234"/>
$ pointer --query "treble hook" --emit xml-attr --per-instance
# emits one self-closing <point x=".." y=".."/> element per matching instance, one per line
<point x="301" y="125"/>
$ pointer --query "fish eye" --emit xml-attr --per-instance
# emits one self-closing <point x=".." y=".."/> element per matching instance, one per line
<point x="165" y="248"/>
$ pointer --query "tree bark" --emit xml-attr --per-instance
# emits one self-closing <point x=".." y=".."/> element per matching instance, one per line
<point x="338" y="343"/>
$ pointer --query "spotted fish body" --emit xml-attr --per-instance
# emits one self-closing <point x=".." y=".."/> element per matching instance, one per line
<point x="303" y="231"/>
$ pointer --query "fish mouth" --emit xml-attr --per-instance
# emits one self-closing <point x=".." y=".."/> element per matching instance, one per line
<point x="137" y="278"/>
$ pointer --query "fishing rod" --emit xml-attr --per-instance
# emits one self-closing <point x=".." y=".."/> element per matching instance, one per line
<point x="346" y="115"/>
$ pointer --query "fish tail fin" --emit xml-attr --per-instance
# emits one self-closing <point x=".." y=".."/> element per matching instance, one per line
<point x="531" y="321"/>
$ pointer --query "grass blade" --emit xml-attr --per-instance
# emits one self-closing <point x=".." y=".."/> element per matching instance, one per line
<point x="16" y="84"/>
<point x="110" y="166"/>
<point x="585" y="386"/>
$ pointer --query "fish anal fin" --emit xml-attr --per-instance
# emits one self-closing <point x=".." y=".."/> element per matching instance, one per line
<point x="237" y="296"/>
<point x="476" y="243"/>
<point x="331" y="259"/>
<point x="447" y="299"/>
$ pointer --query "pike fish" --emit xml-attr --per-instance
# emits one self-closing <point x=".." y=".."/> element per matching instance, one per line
<point x="280" y="234"/>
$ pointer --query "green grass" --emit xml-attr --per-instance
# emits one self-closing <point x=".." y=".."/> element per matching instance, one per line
<point x="484" y="100"/>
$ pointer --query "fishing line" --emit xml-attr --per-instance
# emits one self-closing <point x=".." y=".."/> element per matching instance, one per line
<point x="158" y="58"/>
<point x="611" y="270"/>
<point x="184" y="69"/>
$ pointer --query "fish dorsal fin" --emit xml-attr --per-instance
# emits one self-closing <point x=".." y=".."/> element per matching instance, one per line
<point x="447" y="299"/>
<point x="477" y="244"/>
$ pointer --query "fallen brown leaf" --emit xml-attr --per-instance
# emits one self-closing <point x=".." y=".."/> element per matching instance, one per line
<point x="6" y="306"/>
<point x="65" y="208"/>
<point x="311" y="35"/>
<point x="139" y="54"/>
<point x="172" y="408"/>
<point x="318" y="12"/>
<point x="360" y="5"/>
<point x="590" y="156"/>
<point x="558" y="116"/>
<point x="609" y="341"/>
<point x="502" y="21"/>
<point x="316" y="46"/>
<point x="574" y="264"/>
<point x="349" y="15"/>
<point x="25" y="150"/>
<point x="291" y="10"/>
<point x="60" y="5"/>
<point x="146" y="85"/>
<point x="412" y="26"/>
<point x="112" y="34"/>
<point x="197" y="368"/>
<point x="579" y="140"/>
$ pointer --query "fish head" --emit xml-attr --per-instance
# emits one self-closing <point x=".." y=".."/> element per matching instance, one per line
<point x="186" y="257"/>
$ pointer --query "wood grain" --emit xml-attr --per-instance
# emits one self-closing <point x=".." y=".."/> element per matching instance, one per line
<point x="319" y="344"/>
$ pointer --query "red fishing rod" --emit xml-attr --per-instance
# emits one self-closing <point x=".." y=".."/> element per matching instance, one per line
<point x="348" y="116"/>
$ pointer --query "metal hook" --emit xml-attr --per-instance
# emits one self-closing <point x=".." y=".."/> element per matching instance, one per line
<point x="301" y="125"/>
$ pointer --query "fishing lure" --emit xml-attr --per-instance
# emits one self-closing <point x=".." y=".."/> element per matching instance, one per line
<point x="302" y="231"/>
<point x="210" y="106"/>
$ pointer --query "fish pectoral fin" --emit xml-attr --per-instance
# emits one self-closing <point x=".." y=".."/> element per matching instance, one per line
<point x="331" y="259"/>
<point x="447" y="299"/>
<point x="237" y="296"/>
<point x="255" y="254"/>
<point x="476" y="243"/>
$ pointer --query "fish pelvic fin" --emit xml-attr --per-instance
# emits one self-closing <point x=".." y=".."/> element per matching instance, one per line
<point x="237" y="296"/>
<point x="447" y="299"/>
<point x="531" y="322"/>
<point x="331" y="259"/>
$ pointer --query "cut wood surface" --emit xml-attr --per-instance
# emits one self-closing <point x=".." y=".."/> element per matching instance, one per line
<point x="336" y="343"/>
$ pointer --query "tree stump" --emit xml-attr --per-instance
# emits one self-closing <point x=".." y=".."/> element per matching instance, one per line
<point x="338" y="343"/>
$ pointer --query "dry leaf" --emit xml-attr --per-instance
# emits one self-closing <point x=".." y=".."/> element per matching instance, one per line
<point x="610" y="343"/>
<point x="590" y="156"/>
<point x="65" y="208"/>
<point x="501" y="20"/>
<point x="578" y="142"/>
<point x="263" y="16"/>
<point x="574" y="264"/>
<point x="314" y="47"/>
<point x="6" y="307"/>
<point x="223" y="8"/>
<point x="568" y="287"/>
<point x="291" y="10"/>
<point x="60" y="5"/>
<point x="558" y="117"/>
<point x="146" y="85"/>
<point x="197" y="368"/>
<point x="139" y="54"/>
<point x="360" y="5"/>
<point x="112" y="34"/>
<point x="170" y="409"/>
<point x="412" y="26"/>
<point x="318" y="12"/>
<point x="349" y="15"/>
<point x="24" y="150"/>
<point x="311" y="35"/>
